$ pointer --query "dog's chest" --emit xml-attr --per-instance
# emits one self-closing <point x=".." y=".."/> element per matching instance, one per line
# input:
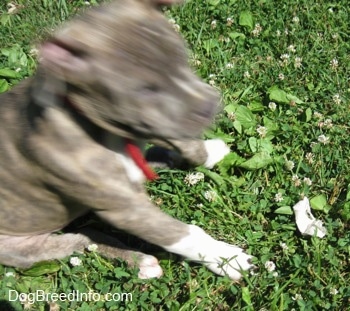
<point x="133" y="172"/>
<point x="117" y="145"/>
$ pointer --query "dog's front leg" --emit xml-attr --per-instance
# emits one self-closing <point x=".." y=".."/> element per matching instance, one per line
<point x="148" y="222"/>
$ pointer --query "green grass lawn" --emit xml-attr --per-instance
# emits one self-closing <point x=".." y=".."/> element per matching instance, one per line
<point x="283" y="70"/>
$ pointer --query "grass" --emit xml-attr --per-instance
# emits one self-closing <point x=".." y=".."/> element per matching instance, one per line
<point x="283" y="71"/>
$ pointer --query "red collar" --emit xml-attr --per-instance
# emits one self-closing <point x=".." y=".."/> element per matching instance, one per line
<point x="135" y="153"/>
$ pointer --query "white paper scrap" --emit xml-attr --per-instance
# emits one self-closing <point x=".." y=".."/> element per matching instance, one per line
<point x="306" y="222"/>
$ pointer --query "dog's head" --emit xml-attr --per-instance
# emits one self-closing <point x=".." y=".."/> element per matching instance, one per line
<point x="126" y="70"/>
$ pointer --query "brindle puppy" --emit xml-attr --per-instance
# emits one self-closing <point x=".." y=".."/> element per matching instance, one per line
<point x="107" y="82"/>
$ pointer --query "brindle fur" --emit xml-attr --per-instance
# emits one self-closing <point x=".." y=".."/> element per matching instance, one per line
<point x="118" y="71"/>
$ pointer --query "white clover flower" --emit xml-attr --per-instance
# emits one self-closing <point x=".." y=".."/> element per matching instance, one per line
<point x="295" y="19"/>
<point x="289" y="165"/>
<point x="318" y="115"/>
<point x="257" y="30"/>
<point x="285" y="57"/>
<point x="246" y="74"/>
<point x="158" y="201"/>
<point x="229" y="66"/>
<point x="272" y="106"/>
<point x="75" y="261"/>
<point x="213" y="24"/>
<point x="286" y="31"/>
<point x="270" y="266"/>
<point x="27" y="305"/>
<point x="12" y="8"/>
<point x="10" y="274"/>
<point x="295" y="177"/>
<point x="291" y="48"/>
<point x="176" y="27"/>
<point x="193" y="178"/>
<point x="297" y="62"/>
<point x="328" y="123"/>
<point x="284" y="246"/>
<point x="92" y="247"/>
<point x="307" y="181"/>
<point x="227" y="39"/>
<point x="336" y="99"/>
<point x="278" y="33"/>
<point x="194" y="59"/>
<point x="34" y="52"/>
<point x="309" y="157"/>
<point x="334" y="63"/>
<point x="256" y="190"/>
<point x="210" y="195"/>
<point x="297" y="297"/>
<point x="262" y="131"/>
<point x="212" y="79"/>
<point x="333" y="291"/>
<point x="229" y="21"/>
<point x="231" y="116"/>
<point x="296" y="180"/>
<point x="323" y="139"/>
<point x="281" y="76"/>
<point x="278" y="197"/>
<point x="335" y="36"/>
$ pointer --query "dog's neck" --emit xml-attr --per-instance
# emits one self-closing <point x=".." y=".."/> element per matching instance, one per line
<point x="130" y="147"/>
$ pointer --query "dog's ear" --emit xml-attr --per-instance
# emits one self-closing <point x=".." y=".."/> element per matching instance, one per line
<point x="62" y="60"/>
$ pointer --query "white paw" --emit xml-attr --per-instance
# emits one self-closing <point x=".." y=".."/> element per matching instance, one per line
<point x="216" y="150"/>
<point x="219" y="257"/>
<point x="228" y="260"/>
<point x="149" y="268"/>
